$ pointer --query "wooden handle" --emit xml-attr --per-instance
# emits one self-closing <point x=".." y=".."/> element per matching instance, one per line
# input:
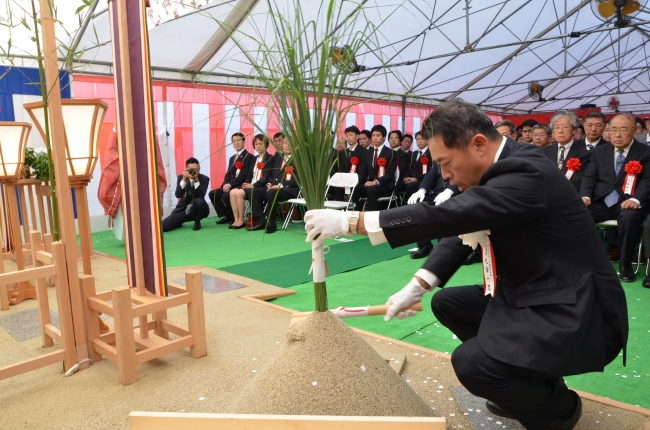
<point x="381" y="310"/>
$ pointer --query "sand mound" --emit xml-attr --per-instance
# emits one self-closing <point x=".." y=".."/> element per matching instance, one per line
<point x="325" y="368"/>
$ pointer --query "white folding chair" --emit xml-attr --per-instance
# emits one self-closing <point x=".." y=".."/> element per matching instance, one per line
<point x="349" y="182"/>
<point x="614" y="223"/>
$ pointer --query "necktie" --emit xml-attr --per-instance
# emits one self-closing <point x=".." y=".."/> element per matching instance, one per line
<point x="374" y="159"/>
<point x="419" y="155"/>
<point x="590" y="146"/>
<point x="612" y="198"/>
<point x="284" y="161"/>
<point x="560" y="162"/>
<point x="620" y="159"/>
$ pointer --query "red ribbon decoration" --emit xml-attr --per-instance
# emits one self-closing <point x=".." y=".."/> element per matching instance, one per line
<point x="381" y="162"/>
<point x="354" y="161"/>
<point x="260" y="165"/>
<point x="424" y="160"/>
<point x="382" y="169"/>
<point x="239" y="165"/>
<point x="573" y="164"/>
<point x="632" y="169"/>
<point x="288" y="173"/>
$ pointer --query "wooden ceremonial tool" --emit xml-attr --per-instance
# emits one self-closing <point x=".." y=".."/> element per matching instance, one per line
<point x="363" y="311"/>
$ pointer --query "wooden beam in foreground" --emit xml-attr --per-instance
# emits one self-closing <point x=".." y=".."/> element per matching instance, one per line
<point x="196" y="421"/>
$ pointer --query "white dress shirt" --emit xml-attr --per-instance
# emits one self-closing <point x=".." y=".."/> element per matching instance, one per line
<point x="376" y="234"/>
<point x="594" y="144"/>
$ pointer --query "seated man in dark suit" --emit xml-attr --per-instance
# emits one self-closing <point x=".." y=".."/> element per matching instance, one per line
<point x="552" y="305"/>
<point x="239" y="167"/>
<point x="617" y="180"/>
<point x="377" y="168"/>
<point x="191" y="187"/>
<point x="280" y="187"/>
<point x="594" y="125"/>
<point x="570" y="158"/>
<point x="348" y="160"/>
<point x="414" y="167"/>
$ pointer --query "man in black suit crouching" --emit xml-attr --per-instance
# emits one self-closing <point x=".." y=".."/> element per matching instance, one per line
<point x="552" y="305"/>
<point x="616" y="183"/>
<point x="191" y="187"/>
<point x="567" y="154"/>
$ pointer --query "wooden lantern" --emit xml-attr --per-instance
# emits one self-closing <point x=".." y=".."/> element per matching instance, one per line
<point x="82" y="120"/>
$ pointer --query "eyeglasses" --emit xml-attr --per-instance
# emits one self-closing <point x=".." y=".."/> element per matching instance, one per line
<point x="622" y="130"/>
<point x="562" y="128"/>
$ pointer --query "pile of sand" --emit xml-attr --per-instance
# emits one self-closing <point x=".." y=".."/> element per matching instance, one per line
<point x="325" y="368"/>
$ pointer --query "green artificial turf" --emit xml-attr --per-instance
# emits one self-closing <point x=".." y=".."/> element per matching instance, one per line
<point x="364" y="275"/>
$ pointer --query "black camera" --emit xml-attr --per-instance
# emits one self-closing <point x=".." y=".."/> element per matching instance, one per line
<point x="192" y="171"/>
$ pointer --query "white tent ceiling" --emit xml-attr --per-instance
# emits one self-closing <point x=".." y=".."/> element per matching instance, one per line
<point x="484" y="51"/>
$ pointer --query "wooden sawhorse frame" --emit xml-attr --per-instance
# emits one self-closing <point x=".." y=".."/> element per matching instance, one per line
<point x="120" y="344"/>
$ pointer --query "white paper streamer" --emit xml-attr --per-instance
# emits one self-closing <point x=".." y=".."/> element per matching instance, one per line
<point x="569" y="174"/>
<point x="629" y="183"/>
<point x="318" y="261"/>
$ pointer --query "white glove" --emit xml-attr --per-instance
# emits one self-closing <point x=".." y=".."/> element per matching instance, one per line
<point x="322" y="224"/>
<point x="407" y="296"/>
<point x="443" y="197"/>
<point x="417" y="196"/>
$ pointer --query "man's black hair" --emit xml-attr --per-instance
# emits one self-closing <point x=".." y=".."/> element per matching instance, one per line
<point x="243" y="138"/>
<point x="367" y="133"/>
<point x="419" y="133"/>
<point x="191" y="160"/>
<point x="399" y="134"/>
<point x="457" y="122"/>
<point x="380" y="129"/>
<point x="278" y="134"/>
<point x="529" y="123"/>
<point x="352" y="129"/>
<point x="409" y="136"/>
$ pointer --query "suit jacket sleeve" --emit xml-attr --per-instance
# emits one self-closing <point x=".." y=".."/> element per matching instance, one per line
<point x="590" y="178"/>
<point x="446" y="258"/>
<point x="229" y="173"/>
<point x="513" y="192"/>
<point x="179" y="191"/>
<point x="430" y="179"/>
<point x="204" y="182"/>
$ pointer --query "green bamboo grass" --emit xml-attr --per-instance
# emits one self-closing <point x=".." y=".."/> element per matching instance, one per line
<point x="300" y="73"/>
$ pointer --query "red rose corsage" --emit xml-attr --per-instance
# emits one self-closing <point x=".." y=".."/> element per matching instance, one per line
<point x="239" y="165"/>
<point x="260" y="165"/>
<point x="354" y="160"/>
<point x="382" y="162"/>
<point x="573" y="164"/>
<point x="424" y="160"/>
<point x="633" y="168"/>
<point x="289" y="170"/>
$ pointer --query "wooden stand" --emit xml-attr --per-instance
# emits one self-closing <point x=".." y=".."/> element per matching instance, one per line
<point x="172" y="420"/>
<point x="46" y="265"/>
<point x="22" y="290"/>
<point x="120" y="345"/>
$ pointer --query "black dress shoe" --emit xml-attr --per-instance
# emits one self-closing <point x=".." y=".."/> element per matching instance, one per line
<point x="256" y="227"/>
<point x="422" y="252"/>
<point x="271" y="228"/>
<point x="236" y="227"/>
<point x="569" y="423"/>
<point x="646" y="282"/>
<point x="474" y="257"/>
<point x="627" y="276"/>
<point x="497" y="410"/>
<point x="197" y="226"/>
<point x="223" y="220"/>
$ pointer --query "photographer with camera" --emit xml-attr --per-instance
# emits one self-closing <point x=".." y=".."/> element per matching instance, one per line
<point x="191" y="188"/>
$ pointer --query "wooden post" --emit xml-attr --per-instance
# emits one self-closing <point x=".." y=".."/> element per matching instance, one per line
<point x="41" y="209"/>
<point x="41" y="291"/>
<point x="15" y="226"/>
<point x="47" y="244"/>
<point x="195" y="316"/>
<point x="23" y="211"/>
<point x="64" y="305"/>
<point x="85" y="234"/>
<point x="64" y="195"/>
<point x="160" y="330"/>
<point x="124" y="336"/>
<point x="32" y="208"/>
<point x="92" y="318"/>
<point x="4" y="295"/>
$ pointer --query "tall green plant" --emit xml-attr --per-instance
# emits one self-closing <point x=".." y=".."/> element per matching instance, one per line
<point x="309" y="88"/>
